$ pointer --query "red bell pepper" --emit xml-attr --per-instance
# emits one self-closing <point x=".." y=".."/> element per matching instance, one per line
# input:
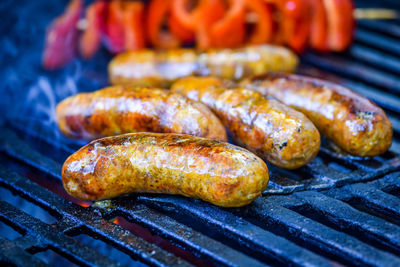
<point x="62" y="37"/>
<point x="114" y="29"/>
<point x="207" y="13"/>
<point x="180" y="31"/>
<point x="230" y="30"/>
<point x="156" y="15"/>
<point x="133" y="25"/>
<point x="91" y="38"/>
<point x="263" y="28"/>
<point x="340" y="24"/>
<point x="318" y="26"/>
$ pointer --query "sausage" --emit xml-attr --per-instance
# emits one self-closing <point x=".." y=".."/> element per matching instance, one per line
<point x="117" y="109"/>
<point x="217" y="172"/>
<point x="162" y="68"/>
<point x="353" y="122"/>
<point x="273" y="131"/>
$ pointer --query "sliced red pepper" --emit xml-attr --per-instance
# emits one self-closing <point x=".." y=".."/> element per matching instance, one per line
<point x="299" y="39"/>
<point x="230" y="30"/>
<point x="262" y="32"/>
<point x="318" y="26"/>
<point x="340" y="23"/>
<point x="207" y="13"/>
<point x="179" y="30"/>
<point x="62" y="37"/>
<point x="157" y="13"/>
<point x="91" y="38"/>
<point x="295" y="23"/>
<point x="183" y="13"/>
<point x="114" y="29"/>
<point x="133" y="25"/>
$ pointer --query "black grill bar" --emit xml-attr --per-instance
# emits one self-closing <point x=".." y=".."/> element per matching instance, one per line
<point x="45" y="235"/>
<point x="376" y="200"/>
<point x="374" y="57"/>
<point x="236" y="229"/>
<point x="378" y="41"/>
<point x="354" y="70"/>
<point x="181" y="234"/>
<point x="94" y="225"/>
<point x="353" y="221"/>
<point x="321" y="237"/>
<point x="382" y="26"/>
<point x="12" y="254"/>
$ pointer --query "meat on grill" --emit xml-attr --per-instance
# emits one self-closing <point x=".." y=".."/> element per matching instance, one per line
<point x="353" y="122"/>
<point x="117" y="109"/>
<point x="272" y="130"/>
<point x="217" y="172"/>
<point x="161" y="68"/>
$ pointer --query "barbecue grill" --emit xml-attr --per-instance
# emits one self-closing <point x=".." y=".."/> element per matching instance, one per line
<point x="337" y="210"/>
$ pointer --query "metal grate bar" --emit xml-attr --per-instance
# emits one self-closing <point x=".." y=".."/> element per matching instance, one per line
<point x="383" y="99"/>
<point x="50" y="236"/>
<point x="251" y="237"/>
<point x="354" y="70"/>
<point x="374" y="199"/>
<point x="322" y="237"/>
<point x="183" y="235"/>
<point x="379" y="41"/>
<point x="12" y="254"/>
<point x="385" y="27"/>
<point x="109" y="232"/>
<point x="357" y="223"/>
<point x="375" y="58"/>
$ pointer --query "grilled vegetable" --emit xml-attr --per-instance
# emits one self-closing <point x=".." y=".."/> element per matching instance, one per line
<point x="61" y="42"/>
<point x="217" y="172"/>
<point x="266" y="127"/>
<point x="160" y="69"/>
<point x="353" y="122"/>
<point x="118" y="109"/>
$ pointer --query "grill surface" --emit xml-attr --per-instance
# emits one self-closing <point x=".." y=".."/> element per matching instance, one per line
<point x="351" y="217"/>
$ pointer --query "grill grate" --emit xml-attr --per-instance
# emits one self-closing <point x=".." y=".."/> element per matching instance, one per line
<point x="318" y="228"/>
<point x="342" y="222"/>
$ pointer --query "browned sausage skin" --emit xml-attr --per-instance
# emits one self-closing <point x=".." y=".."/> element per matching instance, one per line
<point x="117" y="109"/>
<point x="162" y="68"/>
<point x="273" y="131"/>
<point x="217" y="172"/>
<point x="352" y="121"/>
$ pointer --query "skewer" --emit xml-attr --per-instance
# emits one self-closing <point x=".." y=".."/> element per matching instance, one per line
<point x="375" y="13"/>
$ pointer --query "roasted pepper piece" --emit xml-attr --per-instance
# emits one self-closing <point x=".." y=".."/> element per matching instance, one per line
<point x="133" y="25"/>
<point x="262" y="32"/>
<point x="230" y="30"/>
<point x="340" y="24"/>
<point x="91" y="38"/>
<point x="207" y="14"/>
<point x="318" y="26"/>
<point x="62" y="37"/>
<point x="114" y="30"/>
<point x="157" y="12"/>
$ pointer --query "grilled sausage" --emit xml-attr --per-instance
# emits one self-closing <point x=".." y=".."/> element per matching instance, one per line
<point x="273" y="131"/>
<point x="117" y="109"/>
<point x="160" y="69"/>
<point x="353" y="122"/>
<point x="217" y="172"/>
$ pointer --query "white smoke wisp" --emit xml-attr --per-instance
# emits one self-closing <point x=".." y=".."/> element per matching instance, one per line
<point x="43" y="97"/>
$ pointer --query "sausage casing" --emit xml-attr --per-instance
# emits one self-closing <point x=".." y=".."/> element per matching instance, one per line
<point x="217" y="172"/>
<point x="119" y="109"/>
<point x="161" y="68"/>
<point x="275" y="132"/>
<point x="353" y="122"/>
